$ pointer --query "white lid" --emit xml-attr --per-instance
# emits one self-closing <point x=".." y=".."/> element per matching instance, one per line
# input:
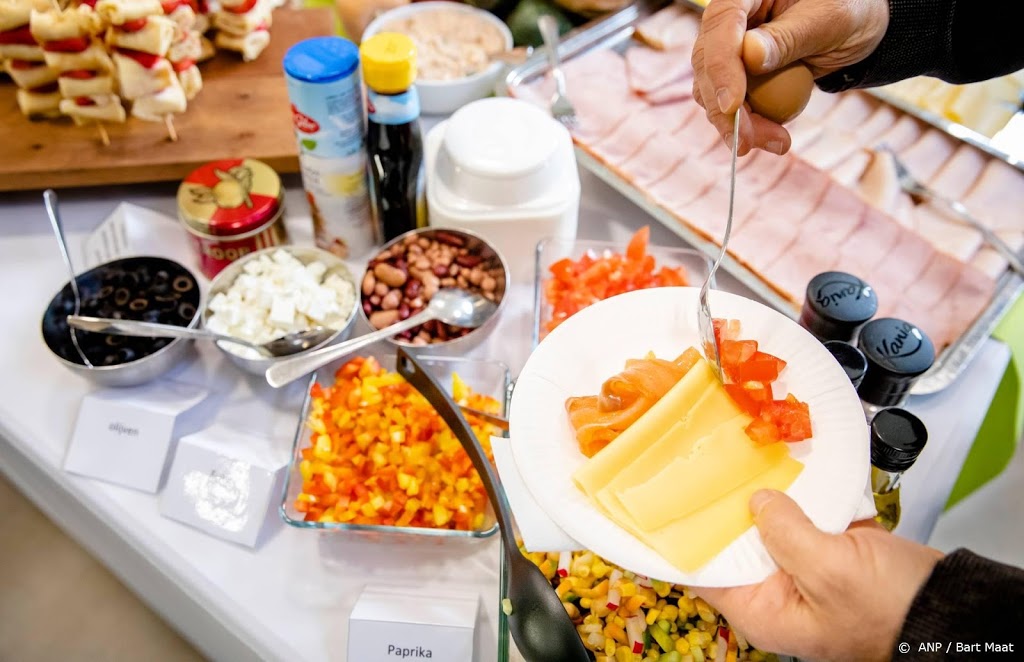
<point x="501" y="152"/>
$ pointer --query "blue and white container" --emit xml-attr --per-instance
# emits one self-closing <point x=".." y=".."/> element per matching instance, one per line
<point x="327" y="111"/>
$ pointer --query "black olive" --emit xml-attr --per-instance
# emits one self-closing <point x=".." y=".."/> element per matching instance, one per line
<point x="138" y="305"/>
<point x="121" y="296"/>
<point x="114" y="340"/>
<point x="126" y="354"/>
<point x="182" y="284"/>
<point x="187" y="311"/>
<point x="105" y="291"/>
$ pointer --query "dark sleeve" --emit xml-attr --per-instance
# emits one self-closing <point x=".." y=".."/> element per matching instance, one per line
<point x="959" y="41"/>
<point x="968" y="602"/>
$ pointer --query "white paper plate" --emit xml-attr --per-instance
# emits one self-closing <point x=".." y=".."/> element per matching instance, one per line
<point x="594" y="344"/>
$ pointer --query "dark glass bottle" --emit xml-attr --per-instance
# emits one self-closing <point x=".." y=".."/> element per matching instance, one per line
<point x="836" y="305"/>
<point x="394" y="145"/>
<point x="897" y="439"/>
<point x="850" y="358"/>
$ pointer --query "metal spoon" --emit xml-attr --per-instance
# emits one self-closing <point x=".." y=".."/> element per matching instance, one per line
<point x="539" y="625"/>
<point x="705" y="323"/>
<point x="451" y="306"/>
<point x="53" y="211"/>
<point x="283" y="346"/>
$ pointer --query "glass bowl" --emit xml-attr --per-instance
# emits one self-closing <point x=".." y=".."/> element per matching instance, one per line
<point x="490" y="378"/>
<point x="553" y="249"/>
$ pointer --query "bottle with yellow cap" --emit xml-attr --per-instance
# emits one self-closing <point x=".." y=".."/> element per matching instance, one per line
<point x="393" y="142"/>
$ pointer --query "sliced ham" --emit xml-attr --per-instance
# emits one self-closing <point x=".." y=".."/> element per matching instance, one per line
<point x="650" y="70"/>
<point x="672" y="27"/>
<point x="830" y="150"/>
<point x="936" y="280"/>
<point x="849" y="172"/>
<point x="997" y="198"/>
<point x="901" y="135"/>
<point x="924" y="158"/>
<point x="971" y="294"/>
<point x="956" y="177"/>
<point x="1015" y="240"/>
<point x="873" y="127"/>
<point x="989" y="262"/>
<point x="680" y="90"/>
<point x="604" y="64"/>
<point x="599" y="110"/>
<point x="804" y="134"/>
<point x="869" y="243"/>
<point x="851" y="111"/>
<point x="946" y="232"/>
<point x="629" y="137"/>
<point x="700" y="135"/>
<point x="836" y="218"/>
<point x="801" y="262"/>
<point x="879" y="185"/>
<point x="903" y="211"/>
<point x="709" y="210"/>
<point x="760" y="171"/>
<point x="819" y="105"/>
<point x="684" y="183"/>
<point x="902" y="266"/>
<point x="935" y="322"/>
<point x="659" y="155"/>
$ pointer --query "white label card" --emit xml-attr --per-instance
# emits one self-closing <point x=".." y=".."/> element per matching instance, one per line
<point x="123" y="435"/>
<point x="389" y="625"/>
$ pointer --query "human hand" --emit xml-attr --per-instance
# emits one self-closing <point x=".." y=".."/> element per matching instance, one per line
<point x="826" y="35"/>
<point x="836" y="597"/>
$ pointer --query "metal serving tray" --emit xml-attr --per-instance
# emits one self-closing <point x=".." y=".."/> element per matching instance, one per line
<point x="616" y="32"/>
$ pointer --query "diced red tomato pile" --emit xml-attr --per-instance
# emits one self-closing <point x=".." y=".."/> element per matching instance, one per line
<point x="576" y="284"/>
<point x="749" y="374"/>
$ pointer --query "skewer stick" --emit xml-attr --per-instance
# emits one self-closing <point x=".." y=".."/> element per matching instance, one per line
<point x="171" y="131"/>
<point x="103" y="134"/>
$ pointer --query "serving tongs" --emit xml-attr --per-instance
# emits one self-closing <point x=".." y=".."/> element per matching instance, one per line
<point x="539" y="624"/>
<point x="919" y="192"/>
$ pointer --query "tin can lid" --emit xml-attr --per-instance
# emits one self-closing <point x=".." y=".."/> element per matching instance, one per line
<point x="229" y="197"/>
<point x="321" y="59"/>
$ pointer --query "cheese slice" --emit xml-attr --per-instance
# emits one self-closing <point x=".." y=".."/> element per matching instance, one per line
<point x="718" y="464"/>
<point x="690" y="542"/>
<point x="599" y="470"/>
<point x="712" y="409"/>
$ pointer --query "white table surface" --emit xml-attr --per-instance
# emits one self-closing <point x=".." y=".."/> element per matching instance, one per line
<point x="289" y="599"/>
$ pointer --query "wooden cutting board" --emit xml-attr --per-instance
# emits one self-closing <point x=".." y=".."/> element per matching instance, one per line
<point x="242" y="111"/>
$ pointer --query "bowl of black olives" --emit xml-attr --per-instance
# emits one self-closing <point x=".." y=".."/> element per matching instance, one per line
<point x="147" y="289"/>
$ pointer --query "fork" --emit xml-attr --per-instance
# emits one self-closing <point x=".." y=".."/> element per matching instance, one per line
<point x="561" y="107"/>
<point x="705" y="323"/>
<point x="920" y="192"/>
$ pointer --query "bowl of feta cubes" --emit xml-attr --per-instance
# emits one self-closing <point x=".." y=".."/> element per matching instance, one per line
<point x="276" y="291"/>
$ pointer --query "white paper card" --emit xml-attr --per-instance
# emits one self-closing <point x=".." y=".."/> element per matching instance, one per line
<point x="124" y="435"/>
<point x="225" y="482"/>
<point x="133" y="230"/>
<point x="390" y="624"/>
<point x="537" y="530"/>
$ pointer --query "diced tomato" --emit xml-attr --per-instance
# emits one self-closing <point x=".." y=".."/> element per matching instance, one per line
<point x="744" y="399"/>
<point x="242" y="8"/>
<point x="761" y="367"/>
<point x="79" y="74"/>
<point x="170" y="5"/>
<point x="134" y="26"/>
<point x="72" y="45"/>
<point x="85" y="101"/>
<point x="734" y="352"/>
<point x="25" y="65"/>
<point x="182" y="65"/>
<point x="638" y="244"/>
<point x="762" y="432"/>
<point x="147" y="60"/>
<point x="726" y="330"/>
<point x="262" y="27"/>
<point x="21" y="36"/>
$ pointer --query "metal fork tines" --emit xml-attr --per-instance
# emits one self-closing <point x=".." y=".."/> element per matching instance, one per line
<point x="920" y="192"/>
<point x="561" y="108"/>
<point x="705" y="322"/>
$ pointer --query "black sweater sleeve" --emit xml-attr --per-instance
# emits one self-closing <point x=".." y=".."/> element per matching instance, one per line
<point x="967" y="603"/>
<point x="959" y="41"/>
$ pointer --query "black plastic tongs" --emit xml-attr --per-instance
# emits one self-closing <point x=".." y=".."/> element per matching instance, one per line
<point x="539" y="624"/>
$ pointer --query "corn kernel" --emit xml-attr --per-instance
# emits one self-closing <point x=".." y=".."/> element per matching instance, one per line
<point x="756" y="656"/>
<point x="670" y="613"/>
<point x="609" y="647"/>
<point x="585" y="603"/>
<point x="682" y="645"/>
<point x="627" y="589"/>
<point x="713" y="650"/>
<point x="652" y="616"/>
<point x="698" y="654"/>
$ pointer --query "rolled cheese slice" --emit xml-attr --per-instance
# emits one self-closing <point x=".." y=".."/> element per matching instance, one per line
<point x="105" y="108"/>
<point x="242" y="24"/>
<point x="137" y="81"/>
<point x="191" y="81"/>
<point x="154" y="107"/>
<point x="73" y="88"/>
<point x="188" y="47"/>
<point x="50" y="25"/>
<point x="206" y="49"/>
<point x="93" y="58"/>
<point x="250" y="46"/>
<point x="119" y="12"/>
<point x="39" y="104"/>
<point x="21" y="52"/>
<point x="184" y="17"/>
<point x="16" y="13"/>
<point x="32" y="77"/>
<point x="155" y="37"/>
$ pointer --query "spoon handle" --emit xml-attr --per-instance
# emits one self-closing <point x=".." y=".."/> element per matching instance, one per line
<point x="291" y="369"/>
<point x="149" y="330"/>
<point x="424" y="382"/>
<point x="53" y="211"/>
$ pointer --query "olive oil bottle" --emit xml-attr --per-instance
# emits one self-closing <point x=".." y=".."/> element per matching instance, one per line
<point x="897" y="439"/>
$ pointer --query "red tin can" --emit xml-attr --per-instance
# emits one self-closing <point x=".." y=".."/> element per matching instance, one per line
<point x="231" y="208"/>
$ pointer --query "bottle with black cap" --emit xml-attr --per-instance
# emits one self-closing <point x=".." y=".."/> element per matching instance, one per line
<point x="836" y="305"/>
<point x="897" y="353"/>
<point x="897" y="439"/>
<point x="850" y="358"/>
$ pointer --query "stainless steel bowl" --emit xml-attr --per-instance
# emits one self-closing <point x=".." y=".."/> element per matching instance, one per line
<point x="306" y="255"/>
<point x="129" y="373"/>
<point x="477" y="245"/>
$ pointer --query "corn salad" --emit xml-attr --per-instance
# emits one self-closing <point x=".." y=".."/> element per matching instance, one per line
<point x="624" y="617"/>
<point x="380" y="454"/>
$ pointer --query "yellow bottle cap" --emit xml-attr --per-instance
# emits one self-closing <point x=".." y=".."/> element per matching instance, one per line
<point x="389" y="62"/>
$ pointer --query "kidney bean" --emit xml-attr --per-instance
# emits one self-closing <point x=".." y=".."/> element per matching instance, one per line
<point x="367" y="307"/>
<point x="440" y="270"/>
<point x="468" y="260"/>
<point x="404" y="311"/>
<point x="412" y="289"/>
